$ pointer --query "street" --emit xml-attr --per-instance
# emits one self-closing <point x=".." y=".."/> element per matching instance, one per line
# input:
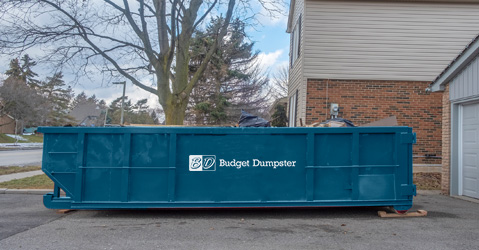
<point x="451" y="224"/>
<point x="28" y="157"/>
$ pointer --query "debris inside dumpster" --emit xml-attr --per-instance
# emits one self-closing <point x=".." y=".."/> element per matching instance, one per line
<point x="335" y="122"/>
<point x="249" y="120"/>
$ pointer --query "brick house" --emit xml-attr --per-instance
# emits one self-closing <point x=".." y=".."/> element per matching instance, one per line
<point x="375" y="59"/>
<point x="459" y="83"/>
<point x="7" y="124"/>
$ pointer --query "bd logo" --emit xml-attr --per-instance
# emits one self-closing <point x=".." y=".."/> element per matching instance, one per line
<point x="202" y="163"/>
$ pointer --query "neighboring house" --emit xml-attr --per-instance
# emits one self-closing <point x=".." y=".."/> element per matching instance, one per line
<point x="459" y="83"/>
<point x="87" y="114"/>
<point x="7" y="124"/>
<point x="375" y="59"/>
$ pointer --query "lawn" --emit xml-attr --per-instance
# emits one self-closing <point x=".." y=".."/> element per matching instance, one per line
<point x="33" y="138"/>
<point x="34" y="182"/>
<point x="16" y="169"/>
<point x="6" y="139"/>
<point x="30" y="138"/>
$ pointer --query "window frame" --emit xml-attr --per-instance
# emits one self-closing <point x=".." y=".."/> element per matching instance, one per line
<point x="296" y="41"/>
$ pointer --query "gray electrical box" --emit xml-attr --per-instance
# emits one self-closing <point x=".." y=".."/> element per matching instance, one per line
<point x="334" y="110"/>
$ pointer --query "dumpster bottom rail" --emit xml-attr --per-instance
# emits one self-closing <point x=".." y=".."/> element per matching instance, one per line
<point x="52" y="202"/>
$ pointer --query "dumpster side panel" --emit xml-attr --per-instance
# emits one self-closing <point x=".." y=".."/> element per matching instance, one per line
<point x="59" y="159"/>
<point x="333" y="159"/>
<point x="103" y="167"/>
<point x="228" y="167"/>
<point x="148" y="175"/>
<point x="377" y="151"/>
<point x="244" y="170"/>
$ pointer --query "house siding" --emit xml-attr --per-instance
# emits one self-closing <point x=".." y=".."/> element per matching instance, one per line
<point x="466" y="84"/>
<point x="410" y="41"/>
<point x="296" y="77"/>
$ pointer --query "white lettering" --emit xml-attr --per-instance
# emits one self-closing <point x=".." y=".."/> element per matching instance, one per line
<point x="234" y="163"/>
<point x="273" y="164"/>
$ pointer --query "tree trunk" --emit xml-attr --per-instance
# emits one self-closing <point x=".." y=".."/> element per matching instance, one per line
<point x="175" y="112"/>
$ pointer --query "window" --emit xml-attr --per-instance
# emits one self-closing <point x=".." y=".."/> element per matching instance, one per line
<point x="293" y="102"/>
<point x="296" y="36"/>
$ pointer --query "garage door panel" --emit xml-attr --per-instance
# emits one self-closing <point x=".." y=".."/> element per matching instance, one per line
<point x="470" y="159"/>
<point x="470" y="136"/>
<point x="470" y="186"/>
<point x="470" y="112"/>
<point x="470" y="150"/>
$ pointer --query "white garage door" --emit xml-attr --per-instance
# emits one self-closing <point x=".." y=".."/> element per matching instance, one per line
<point x="470" y="150"/>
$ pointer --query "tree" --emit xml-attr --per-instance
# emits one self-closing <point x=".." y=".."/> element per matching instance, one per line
<point x="280" y="82"/>
<point x="15" y="70"/>
<point x="127" y="39"/>
<point x="22" y="102"/>
<point x="59" y="99"/>
<point x="138" y="113"/>
<point x="141" y="106"/>
<point x="232" y="80"/>
<point x="19" y="97"/>
<point x="23" y="72"/>
<point x="27" y="73"/>
<point x="279" y="118"/>
<point x="82" y="98"/>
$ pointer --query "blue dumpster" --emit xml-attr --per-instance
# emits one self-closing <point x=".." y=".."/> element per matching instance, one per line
<point x="185" y="167"/>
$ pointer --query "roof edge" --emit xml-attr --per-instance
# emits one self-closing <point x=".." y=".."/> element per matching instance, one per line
<point x="456" y="66"/>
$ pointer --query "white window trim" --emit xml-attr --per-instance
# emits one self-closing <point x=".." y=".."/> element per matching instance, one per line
<point x="293" y="100"/>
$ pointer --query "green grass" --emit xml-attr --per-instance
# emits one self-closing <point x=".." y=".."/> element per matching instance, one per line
<point x="6" y="139"/>
<point x="30" y="138"/>
<point x="16" y="169"/>
<point x="33" y="138"/>
<point x="34" y="182"/>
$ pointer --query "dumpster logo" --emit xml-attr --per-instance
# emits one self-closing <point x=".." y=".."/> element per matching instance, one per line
<point x="202" y="163"/>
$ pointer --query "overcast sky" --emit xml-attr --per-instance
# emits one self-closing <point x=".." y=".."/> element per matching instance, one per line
<point x="270" y="38"/>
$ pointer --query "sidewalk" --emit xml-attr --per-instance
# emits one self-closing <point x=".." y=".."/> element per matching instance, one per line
<point x="9" y="177"/>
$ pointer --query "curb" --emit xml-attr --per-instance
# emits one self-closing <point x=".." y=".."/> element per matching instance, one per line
<point x="465" y="198"/>
<point x="25" y="191"/>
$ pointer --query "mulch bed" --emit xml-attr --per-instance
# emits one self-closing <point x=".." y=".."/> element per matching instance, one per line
<point x="427" y="181"/>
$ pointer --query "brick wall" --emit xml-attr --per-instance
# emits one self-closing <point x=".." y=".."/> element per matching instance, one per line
<point x="7" y="125"/>
<point x="364" y="101"/>
<point x="446" y="141"/>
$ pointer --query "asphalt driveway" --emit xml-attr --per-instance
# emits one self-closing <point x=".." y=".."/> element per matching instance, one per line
<point x="451" y="224"/>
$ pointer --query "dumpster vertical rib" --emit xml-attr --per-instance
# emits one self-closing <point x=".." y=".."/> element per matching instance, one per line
<point x="46" y="163"/>
<point x="397" y="170"/>
<point x="56" y="190"/>
<point x="355" y="170"/>
<point x="45" y="155"/>
<point x="310" y="171"/>
<point x="172" y="166"/>
<point x="125" y="175"/>
<point x="79" y="162"/>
